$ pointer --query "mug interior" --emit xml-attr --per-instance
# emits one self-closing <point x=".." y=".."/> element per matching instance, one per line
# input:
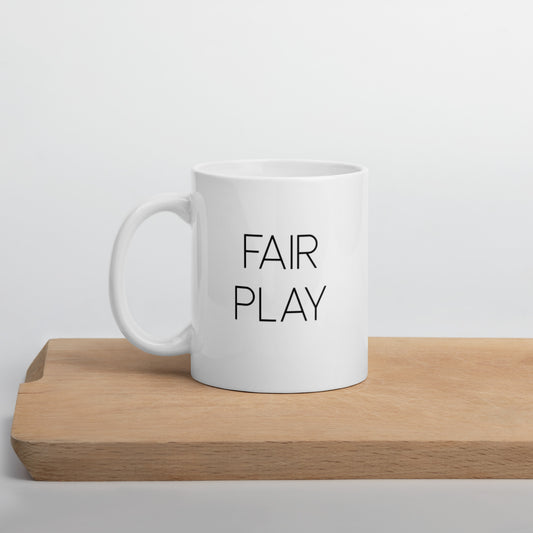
<point x="276" y="168"/>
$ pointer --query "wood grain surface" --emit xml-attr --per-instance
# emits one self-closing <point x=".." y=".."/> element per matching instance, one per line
<point x="99" y="409"/>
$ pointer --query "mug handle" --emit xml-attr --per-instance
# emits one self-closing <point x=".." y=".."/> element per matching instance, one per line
<point x="179" y="344"/>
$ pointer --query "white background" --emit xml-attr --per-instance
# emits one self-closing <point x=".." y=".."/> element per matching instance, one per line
<point x="105" y="103"/>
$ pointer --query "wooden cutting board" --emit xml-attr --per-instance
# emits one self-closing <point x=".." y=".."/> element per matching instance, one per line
<point x="99" y="409"/>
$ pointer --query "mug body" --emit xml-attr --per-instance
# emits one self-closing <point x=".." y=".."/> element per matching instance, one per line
<point x="279" y="275"/>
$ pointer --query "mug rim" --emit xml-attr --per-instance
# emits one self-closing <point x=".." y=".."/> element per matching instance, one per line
<point x="338" y="169"/>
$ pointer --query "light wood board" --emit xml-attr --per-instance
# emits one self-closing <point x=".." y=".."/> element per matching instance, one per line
<point x="99" y="409"/>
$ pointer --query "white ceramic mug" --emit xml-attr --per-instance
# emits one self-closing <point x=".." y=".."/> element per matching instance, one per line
<point x="279" y="275"/>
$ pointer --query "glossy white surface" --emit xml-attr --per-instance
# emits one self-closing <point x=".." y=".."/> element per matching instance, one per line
<point x="179" y="344"/>
<point x="279" y="275"/>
